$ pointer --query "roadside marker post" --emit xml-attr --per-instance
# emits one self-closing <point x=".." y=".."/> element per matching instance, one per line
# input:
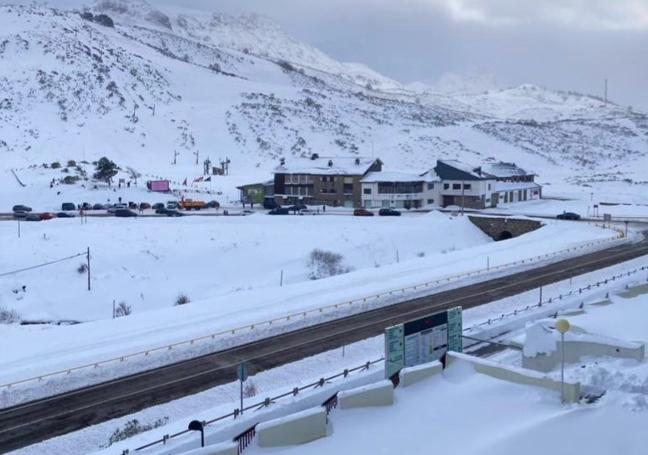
<point x="242" y="374"/>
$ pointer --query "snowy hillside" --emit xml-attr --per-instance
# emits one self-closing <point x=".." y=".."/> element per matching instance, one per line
<point x="209" y="85"/>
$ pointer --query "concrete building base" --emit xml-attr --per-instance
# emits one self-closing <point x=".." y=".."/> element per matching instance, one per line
<point x="379" y="394"/>
<point x="294" y="429"/>
<point x="412" y="375"/>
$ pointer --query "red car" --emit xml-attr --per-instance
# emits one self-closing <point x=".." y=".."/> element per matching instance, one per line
<point x="362" y="212"/>
<point x="46" y="216"/>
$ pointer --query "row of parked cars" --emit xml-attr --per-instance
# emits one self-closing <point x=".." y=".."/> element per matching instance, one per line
<point x="301" y="209"/>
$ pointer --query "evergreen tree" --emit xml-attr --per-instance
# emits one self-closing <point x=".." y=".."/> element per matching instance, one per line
<point x="105" y="170"/>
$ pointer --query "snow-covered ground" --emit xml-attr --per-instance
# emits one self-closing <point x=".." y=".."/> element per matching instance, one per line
<point x="260" y="245"/>
<point x="221" y="400"/>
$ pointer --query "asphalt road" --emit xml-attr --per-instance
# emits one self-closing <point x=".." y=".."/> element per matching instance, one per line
<point x="36" y="421"/>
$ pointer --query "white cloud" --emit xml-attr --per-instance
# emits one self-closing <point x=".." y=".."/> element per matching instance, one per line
<point x="585" y="14"/>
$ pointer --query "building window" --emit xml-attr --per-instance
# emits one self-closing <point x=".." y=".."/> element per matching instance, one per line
<point x="430" y="186"/>
<point x="468" y="186"/>
<point x="332" y="190"/>
<point x="489" y="187"/>
<point x="456" y="186"/>
<point x="324" y="190"/>
<point x="348" y="179"/>
<point x="366" y="190"/>
<point x="430" y="201"/>
<point x="348" y="188"/>
<point x="446" y="186"/>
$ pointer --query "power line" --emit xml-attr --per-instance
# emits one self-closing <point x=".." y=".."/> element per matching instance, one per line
<point x="14" y="272"/>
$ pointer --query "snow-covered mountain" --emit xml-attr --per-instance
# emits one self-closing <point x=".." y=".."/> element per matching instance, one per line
<point x="146" y="84"/>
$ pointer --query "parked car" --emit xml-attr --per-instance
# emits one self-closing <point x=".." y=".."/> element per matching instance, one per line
<point x="121" y="205"/>
<point x="362" y="212"/>
<point x="389" y="212"/>
<point x="20" y="214"/>
<point x="213" y="205"/>
<point x="569" y="216"/>
<point x="98" y="207"/>
<point x="297" y="207"/>
<point x="132" y="205"/>
<point x="144" y="206"/>
<point x="173" y="213"/>
<point x="124" y="213"/>
<point x="21" y="208"/>
<point x="158" y="205"/>
<point x="270" y="204"/>
<point x="64" y="215"/>
<point x="172" y="205"/>
<point x="46" y="216"/>
<point x="68" y="206"/>
<point x="86" y="206"/>
<point x="32" y="217"/>
<point x="279" y="211"/>
<point x="308" y="212"/>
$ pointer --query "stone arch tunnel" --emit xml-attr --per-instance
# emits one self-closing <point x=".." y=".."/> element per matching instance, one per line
<point x="504" y="228"/>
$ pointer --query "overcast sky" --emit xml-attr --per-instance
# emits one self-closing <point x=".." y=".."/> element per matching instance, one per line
<point x="562" y="44"/>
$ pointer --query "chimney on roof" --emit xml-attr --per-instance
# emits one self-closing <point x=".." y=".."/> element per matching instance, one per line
<point x="282" y="161"/>
<point x="330" y="163"/>
<point x="357" y="161"/>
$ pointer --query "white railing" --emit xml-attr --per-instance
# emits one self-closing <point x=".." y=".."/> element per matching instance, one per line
<point x="319" y="311"/>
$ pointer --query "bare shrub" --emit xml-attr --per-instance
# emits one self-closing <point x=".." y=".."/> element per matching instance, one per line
<point x="182" y="299"/>
<point x="8" y="316"/>
<point x="123" y="309"/>
<point x="133" y="427"/>
<point x="250" y="389"/>
<point x="324" y="264"/>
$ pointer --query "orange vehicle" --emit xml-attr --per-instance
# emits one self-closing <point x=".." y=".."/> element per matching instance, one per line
<point x="191" y="204"/>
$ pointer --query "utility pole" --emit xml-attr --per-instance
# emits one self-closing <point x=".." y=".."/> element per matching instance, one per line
<point x="197" y="153"/>
<point x="175" y="157"/>
<point x="606" y="91"/>
<point x="18" y="228"/>
<point x="88" y="263"/>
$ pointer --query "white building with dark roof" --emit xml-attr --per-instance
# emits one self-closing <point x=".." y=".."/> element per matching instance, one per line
<point x="393" y="189"/>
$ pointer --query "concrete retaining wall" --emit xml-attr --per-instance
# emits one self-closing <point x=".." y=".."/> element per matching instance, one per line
<point x="298" y="428"/>
<point x="575" y="350"/>
<point x="379" y="394"/>
<point x="412" y="375"/>
<point x="227" y="448"/>
<point x="516" y="375"/>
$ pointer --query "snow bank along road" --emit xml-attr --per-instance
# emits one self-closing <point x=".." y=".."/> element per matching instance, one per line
<point x="38" y="420"/>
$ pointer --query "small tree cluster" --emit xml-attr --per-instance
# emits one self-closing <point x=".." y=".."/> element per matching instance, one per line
<point x="123" y="309"/>
<point x="323" y="264"/>
<point x="105" y="170"/>
<point x="83" y="268"/>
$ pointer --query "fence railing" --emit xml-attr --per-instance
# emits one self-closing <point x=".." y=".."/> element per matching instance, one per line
<point x="557" y="299"/>
<point x="349" y="306"/>
<point x="244" y="438"/>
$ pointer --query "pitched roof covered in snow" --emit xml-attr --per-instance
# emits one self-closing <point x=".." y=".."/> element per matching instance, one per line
<point x="456" y="170"/>
<point x="502" y="169"/>
<point x="333" y="165"/>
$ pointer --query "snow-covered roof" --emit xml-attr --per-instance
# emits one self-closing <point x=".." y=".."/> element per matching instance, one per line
<point x="514" y="186"/>
<point x="457" y="170"/>
<point x="502" y="169"/>
<point x="330" y="165"/>
<point x="393" y="176"/>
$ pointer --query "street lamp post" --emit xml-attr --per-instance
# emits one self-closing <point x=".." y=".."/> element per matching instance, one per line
<point x="562" y="325"/>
